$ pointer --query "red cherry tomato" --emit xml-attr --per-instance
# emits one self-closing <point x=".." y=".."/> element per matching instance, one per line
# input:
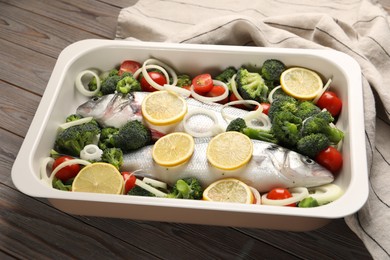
<point x="266" y="107"/>
<point x="129" y="179"/>
<point x="67" y="172"/>
<point x="331" y="102"/>
<point x="129" y="66"/>
<point x="280" y="194"/>
<point x="233" y="97"/>
<point x="217" y="91"/>
<point x="331" y="159"/>
<point x="202" y="83"/>
<point x="156" y="77"/>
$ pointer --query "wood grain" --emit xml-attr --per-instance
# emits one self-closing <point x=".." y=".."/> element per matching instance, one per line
<point x="32" y="34"/>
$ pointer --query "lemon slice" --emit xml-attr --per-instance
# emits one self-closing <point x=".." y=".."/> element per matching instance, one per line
<point x="163" y="108"/>
<point x="99" y="178"/>
<point x="173" y="149"/>
<point x="229" y="150"/>
<point x="229" y="190"/>
<point x="301" y="83"/>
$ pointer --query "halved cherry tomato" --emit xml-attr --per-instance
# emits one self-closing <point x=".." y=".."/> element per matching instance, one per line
<point x="129" y="66"/>
<point x="202" y="83"/>
<point x="266" y="107"/>
<point x="156" y="77"/>
<point x="331" y="102"/>
<point x="217" y="91"/>
<point x="129" y="179"/>
<point x="280" y="194"/>
<point x="67" y="172"/>
<point x="331" y="159"/>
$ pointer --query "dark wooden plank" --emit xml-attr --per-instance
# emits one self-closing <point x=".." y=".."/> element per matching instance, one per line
<point x="120" y="3"/>
<point x="38" y="33"/>
<point x="88" y="15"/>
<point x="24" y="68"/>
<point x="16" y="116"/>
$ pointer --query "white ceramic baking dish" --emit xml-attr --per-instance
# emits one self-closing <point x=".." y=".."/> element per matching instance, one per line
<point x="61" y="99"/>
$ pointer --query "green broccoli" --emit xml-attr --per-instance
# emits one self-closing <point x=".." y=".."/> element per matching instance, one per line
<point x="272" y="69"/>
<point x="73" y="139"/>
<point x="320" y="123"/>
<point x="258" y="134"/>
<point x="236" y="125"/>
<point x="307" y="109"/>
<point x="312" y="144"/>
<point x="286" y="128"/>
<point x="187" y="188"/>
<point x="138" y="191"/>
<point x="128" y="84"/>
<point x="106" y="139"/>
<point x="308" y="202"/>
<point x="60" y="185"/>
<point x="108" y="85"/>
<point x="283" y="103"/>
<point x="226" y="74"/>
<point x="73" y="117"/>
<point x="131" y="136"/>
<point x="250" y="85"/>
<point x="113" y="156"/>
<point x="183" y="80"/>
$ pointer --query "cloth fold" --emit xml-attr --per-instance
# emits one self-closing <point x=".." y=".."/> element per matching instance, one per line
<point x="360" y="28"/>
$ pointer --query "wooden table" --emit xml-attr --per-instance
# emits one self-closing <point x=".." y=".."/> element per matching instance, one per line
<point x="32" y="35"/>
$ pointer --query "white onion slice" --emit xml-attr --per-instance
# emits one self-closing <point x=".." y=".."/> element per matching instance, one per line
<point x="211" y="99"/>
<point x="91" y="152"/>
<point x="233" y="85"/>
<point x="271" y="94"/>
<point x="76" y="122"/>
<point x="155" y="183"/>
<point x="43" y="170"/>
<point x="325" y="88"/>
<point x="80" y="85"/>
<point x="185" y="93"/>
<point x="325" y="193"/>
<point x="228" y="118"/>
<point x="212" y="131"/>
<point x="256" y="195"/>
<point x="149" y="188"/>
<point x="158" y="63"/>
<point x="259" y="116"/>
<point x="298" y="194"/>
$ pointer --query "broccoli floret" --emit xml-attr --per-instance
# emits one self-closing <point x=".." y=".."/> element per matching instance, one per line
<point x="258" y="134"/>
<point x="183" y="80"/>
<point x="187" y="188"/>
<point x="286" y="128"/>
<point x="272" y="69"/>
<point x="312" y="144"/>
<point x="92" y="85"/>
<point x="320" y="123"/>
<point x="128" y="84"/>
<point x="108" y="85"/>
<point x="226" y="74"/>
<point x="73" y="117"/>
<point x="73" y="139"/>
<point x="131" y="136"/>
<point x="60" y="185"/>
<point x="283" y="103"/>
<point x="106" y="139"/>
<point x="250" y="85"/>
<point x="138" y="191"/>
<point x="307" y="109"/>
<point x="113" y="156"/>
<point x="308" y="202"/>
<point x="236" y="125"/>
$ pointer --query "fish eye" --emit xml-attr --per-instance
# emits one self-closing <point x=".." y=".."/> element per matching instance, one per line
<point x="308" y="160"/>
<point x="95" y="98"/>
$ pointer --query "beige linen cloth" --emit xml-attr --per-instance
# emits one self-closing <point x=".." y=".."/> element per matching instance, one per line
<point x="360" y="28"/>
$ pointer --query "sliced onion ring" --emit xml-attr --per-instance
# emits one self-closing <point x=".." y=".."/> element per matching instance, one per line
<point x="259" y="116"/>
<point x="91" y="152"/>
<point x="228" y="118"/>
<point x="80" y="86"/>
<point x="43" y="170"/>
<point x="76" y="122"/>
<point x="211" y="99"/>
<point x="256" y="195"/>
<point x="325" y="193"/>
<point x="325" y="88"/>
<point x="212" y="131"/>
<point x="158" y="63"/>
<point x="185" y="93"/>
<point x="271" y="94"/>
<point x="298" y="194"/>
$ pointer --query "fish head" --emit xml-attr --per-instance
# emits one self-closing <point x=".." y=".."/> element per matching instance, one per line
<point x="304" y="171"/>
<point x="95" y="107"/>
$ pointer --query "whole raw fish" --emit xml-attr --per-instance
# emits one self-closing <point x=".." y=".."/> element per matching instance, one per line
<point x="117" y="109"/>
<point x="271" y="166"/>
